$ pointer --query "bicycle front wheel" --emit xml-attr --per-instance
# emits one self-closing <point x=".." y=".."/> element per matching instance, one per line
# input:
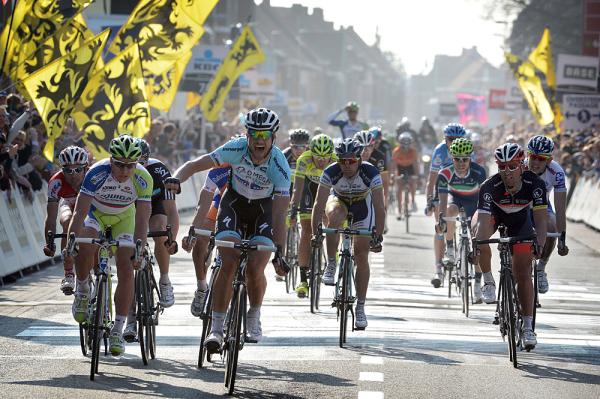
<point x="466" y="278"/>
<point x="315" y="279"/>
<point x="343" y="304"/>
<point x="98" y="326"/>
<point x="406" y="211"/>
<point x="235" y="336"/>
<point x="511" y="320"/>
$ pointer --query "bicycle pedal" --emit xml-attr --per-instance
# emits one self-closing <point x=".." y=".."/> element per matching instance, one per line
<point x="496" y="321"/>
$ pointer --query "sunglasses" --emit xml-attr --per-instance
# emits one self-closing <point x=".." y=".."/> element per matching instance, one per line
<point x="348" y="161"/>
<point x="260" y="134"/>
<point x="539" y="157"/>
<point x="299" y="146"/>
<point x="70" y="171"/>
<point x="507" y="167"/>
<point x="321" y="159"/>
<point x="461" y="159"/>
<point x="124" y="165"/>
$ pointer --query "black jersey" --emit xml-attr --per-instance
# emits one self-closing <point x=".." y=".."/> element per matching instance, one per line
<point x="289" y="155"/>
<point x="381" y="156"/>
<point x="159" y="173"/>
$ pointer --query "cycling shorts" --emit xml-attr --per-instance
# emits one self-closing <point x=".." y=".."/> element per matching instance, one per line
<point x="158" y="207"/>
<point x="363" y="215"/>
<point x="123" y="224"/>
<point x="405" y="170"/>
<point x="309" y="194"/>
<point x="469" y="205"/>
<point x="237" y="211"/>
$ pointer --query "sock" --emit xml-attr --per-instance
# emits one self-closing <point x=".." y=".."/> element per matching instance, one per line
<point x="527" y="320"/>
<point x="331" y="260"/>
<point x="119" y="324"/>
<point x="201" y="284"/>
<point x="83" y="287"/>
<point x="164" y="279"/>
<point x="541" y="266"/>
<point x="478" y="278"/>
<point x="439" y="268"/>
<point x="217" y="322"/>
<point x="450" y="244"/>
<point x="131" y="316"/>
<point x="488" y="278"/>
<point x="304" y="274"/>
<point x="69" y="272"/>
<point x="360" y="303"/>
<point x="254" y="311"/>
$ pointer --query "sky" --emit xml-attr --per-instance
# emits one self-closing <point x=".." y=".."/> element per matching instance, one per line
<point x="416" y="30"/>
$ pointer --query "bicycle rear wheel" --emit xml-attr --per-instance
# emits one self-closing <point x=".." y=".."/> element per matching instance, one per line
<point x="289" y="259"/>
<point x="234" y="341"/>
<point x="140" y="289"/>
<point x="406" y="212"/>
<point x="509" y="309"/>
<point x="536" y="297"/>
<point x="343" y="304"/>
<point x="98" y="326"/>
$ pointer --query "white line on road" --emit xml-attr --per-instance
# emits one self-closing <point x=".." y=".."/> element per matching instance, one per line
<point x="370" y="395"/>
<point x="371" y="360"/>
<point x="370" y="376"/>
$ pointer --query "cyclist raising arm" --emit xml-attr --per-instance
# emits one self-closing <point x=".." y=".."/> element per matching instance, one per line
<point x="509" y="197"/>
<point x="117" y="192"/>
<point x="355" y="188"/>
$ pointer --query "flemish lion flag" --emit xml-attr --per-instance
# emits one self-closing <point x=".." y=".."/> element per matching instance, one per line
<point x="162" y="86"/>
<point x="541" y="57"/>
<point x="56" y="88"/>
<point x="532" y="89"/>
<point x="245" y="53"/>
<point x="114" y="102"/>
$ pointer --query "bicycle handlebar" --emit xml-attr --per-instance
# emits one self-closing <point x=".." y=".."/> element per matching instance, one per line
<point x="245" y="244"/>
<point x="352" y="232"/>
<point x="509" y="240"/>
<point x="454" y="219"/>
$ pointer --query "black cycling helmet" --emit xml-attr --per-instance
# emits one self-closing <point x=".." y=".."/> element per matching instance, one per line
<point x="348" y="147"/>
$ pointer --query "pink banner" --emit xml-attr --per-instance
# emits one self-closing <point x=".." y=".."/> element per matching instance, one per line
<point x="471" y="108"/>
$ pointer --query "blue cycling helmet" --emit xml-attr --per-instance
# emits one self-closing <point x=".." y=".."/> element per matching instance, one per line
<point x="376" y="132"/>
<point x="348" y="147"/>
<point x="540" y="145"/>
<point x="454" y="130"/>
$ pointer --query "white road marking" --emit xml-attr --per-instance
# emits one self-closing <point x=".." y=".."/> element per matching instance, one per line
<point x="371" y="360"/>
<point x="370" y="395"/>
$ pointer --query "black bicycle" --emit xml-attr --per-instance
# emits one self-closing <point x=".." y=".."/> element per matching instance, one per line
<point x="508" y="311"/>
<point x="291" y="257"/>
<point x="344" y="298"/>
<point x="405" y="209"/>
<point x="315" y="276"/>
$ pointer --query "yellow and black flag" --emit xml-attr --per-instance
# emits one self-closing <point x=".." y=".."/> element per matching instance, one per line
<point x="42" y="19"/>
<point x="114" y="102"/>
<point x="541" y="58"/>
<point x="8" y="33"/>
<point x="532" y="89"/>
<point x="161" y="87"/>
<point x="163" y="28"/>
<point x="244" y="54"/>
<point x="56" y="87"/>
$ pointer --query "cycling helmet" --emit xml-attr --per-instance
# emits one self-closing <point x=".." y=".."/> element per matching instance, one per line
<point x="509" y="152"/>
<point x="405" y="139"/>
<point x="126" y="147"/>
<point x="262" y="119"/>
<point x="364" y="138"/>
<point x="73" y="155"/>
<point x="348" y="147"/>
<point x="475" y="138"/>
<point x="317" y="130"/>
<point x="299" y="136"/>
<point x="321" y="145"/>
<point x="145" y="148"/>
<point x="376" y="132"/>
<point x="540" y="145"/>
<point x="461" y="147"/>
<point x="352" y="106"/>
<point x="454" y="130"/>
<point x="403" y="125"/>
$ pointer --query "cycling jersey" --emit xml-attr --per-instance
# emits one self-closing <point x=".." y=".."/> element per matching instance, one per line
<point x="59" y="188"/>
<point x="347" y="128"/>
<point x="159" y="172"/>
<point x="463" y="190"/>
<point x="355" y="188"/>
<point x="216" y="182"/>
<point x="306" y="168"/>
<point x="404" y="158"/>
<point x="381" y="155"/>
<point x="514" y="210"/>
<point x="272" y="177"/>
<point x="441" y="157"/>
<point x="554" y="178"/>
<point x="110" y="196"/>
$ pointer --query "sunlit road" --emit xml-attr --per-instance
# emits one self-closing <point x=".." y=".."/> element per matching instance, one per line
<point x="418" y="343"/>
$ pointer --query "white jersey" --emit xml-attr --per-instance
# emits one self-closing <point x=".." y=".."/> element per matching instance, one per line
<point x="554" y="178"/>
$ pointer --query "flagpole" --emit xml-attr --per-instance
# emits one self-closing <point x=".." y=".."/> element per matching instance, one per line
<point x="12" y="17"/>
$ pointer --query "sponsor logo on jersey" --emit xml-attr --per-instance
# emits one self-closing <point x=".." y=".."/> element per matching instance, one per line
<point x="233" y="149"/>
<point x="141" y="181"/>
<point x="262" y="227"/>
<point x="281" y="169"/>
<point x="226" y="221"/>
<point x="538" y="192"/>
<point x="487" y="197"/>
<point x="98" y="177"/>
<point x="54" y="188"/>
<point x="161" y="171"/>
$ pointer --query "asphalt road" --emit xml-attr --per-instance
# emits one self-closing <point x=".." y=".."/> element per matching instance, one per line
<point x="418" y="343"/>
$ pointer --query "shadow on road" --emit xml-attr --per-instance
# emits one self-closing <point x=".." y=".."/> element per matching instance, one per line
<point x="403" y="354"/>
<point x="538" y="372"/>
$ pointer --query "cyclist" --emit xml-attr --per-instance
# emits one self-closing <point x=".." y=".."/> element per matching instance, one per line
<point x="381" y="157"/>
<point x="116" y="191"/>
<point x="460" y="181"/>
<point x="164" y="211"/>
<point x="440" y="159"/>
<point x="257" y="196"/>
<point x="351" y="125"/>
<point x="205" y="218"/>
<point x="65" y="185"/>
<point x="510" y="197"/>
<point x="404" y="126"/>
<point x="406" y="157"/>
<point x="351" y="186"/>
<point x="309" y="168"/>
<point x="540" y="162"/>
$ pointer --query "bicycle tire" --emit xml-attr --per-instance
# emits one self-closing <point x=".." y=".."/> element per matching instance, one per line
<point x="536" y="297"/>
<point x="343" y="301"/>
<point x="511" y="319"/>
<point x="406" y="212"/>
<point x="98" y="327"/>
<point x="83" y="338"/>
<point x="466" y="283"/>
<point x="140" y="289"/>
<point x="153" y="308"/>
<point x="314" y="279"/>
<point x="449" y="274"/>
<point x="202" y="353"/>
<point x="289" y="258"/>
<point x="234" y="343"/>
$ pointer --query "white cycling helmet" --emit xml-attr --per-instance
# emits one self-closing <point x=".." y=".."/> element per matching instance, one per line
<point x="405" y="139"/>
<point x="509" y="152"/>
<point x="364" y="137"/>
<point x="262" y="119"/>
<point x="73" y="155"/>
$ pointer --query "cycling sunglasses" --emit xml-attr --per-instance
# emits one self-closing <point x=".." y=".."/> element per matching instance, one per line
<point x="348" y="161"/>
<point x="70" y="171"/>
<point x="124" y="165"/>
<point x="322" y="159"/>
<point x="506" y="167"/>
<point x="461" y="159"/>
<point x="300" y="146"/>
<point x="539" y="157"/>
<point x="260" y="134"/>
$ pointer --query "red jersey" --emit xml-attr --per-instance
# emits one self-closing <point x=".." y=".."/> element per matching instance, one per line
<point x="59" y="188"/>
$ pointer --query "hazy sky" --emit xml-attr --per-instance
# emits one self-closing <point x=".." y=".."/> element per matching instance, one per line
<point x="416" y="30"/>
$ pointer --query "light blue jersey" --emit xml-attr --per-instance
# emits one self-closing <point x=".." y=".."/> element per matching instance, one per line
<point x="272" y="177"/>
